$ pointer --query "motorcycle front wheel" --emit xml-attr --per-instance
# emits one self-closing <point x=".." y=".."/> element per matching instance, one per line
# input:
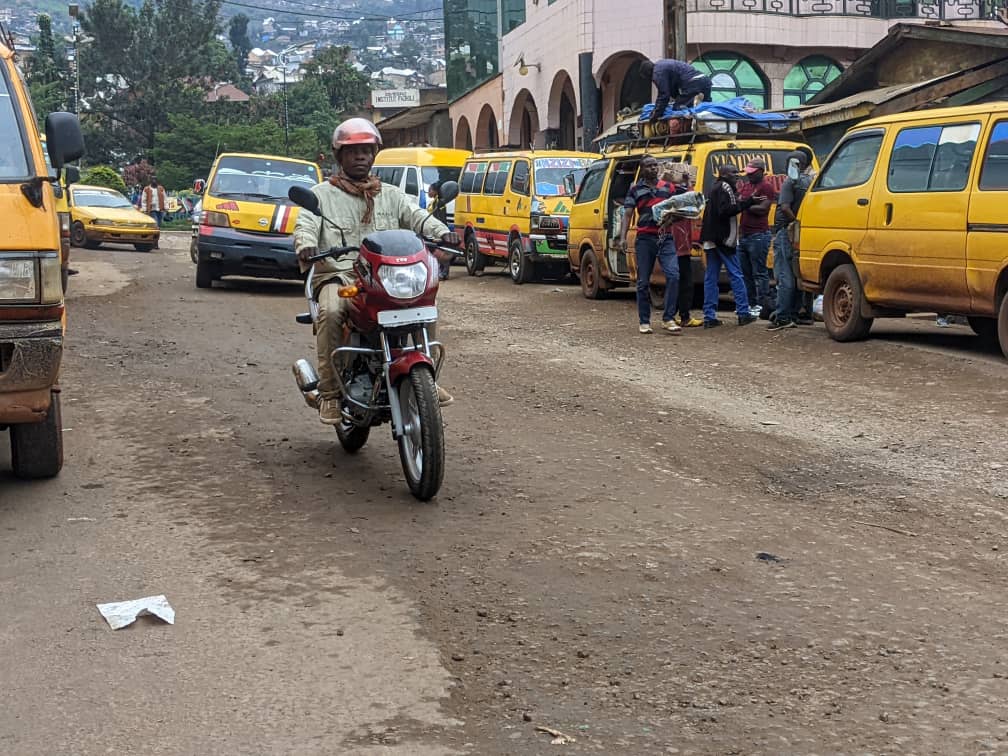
<point x="421" y="447"/>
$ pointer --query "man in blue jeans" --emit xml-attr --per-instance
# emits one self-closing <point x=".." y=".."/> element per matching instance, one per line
<point x="754" y="235"/>
<point x="791" y="195"/>
<point x="719" y="235"/>
<point x="652" y="244"/>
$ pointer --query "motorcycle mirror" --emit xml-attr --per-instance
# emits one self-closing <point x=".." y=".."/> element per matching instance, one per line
<point x="449" y="190"/>
<point x="305" y="198"/>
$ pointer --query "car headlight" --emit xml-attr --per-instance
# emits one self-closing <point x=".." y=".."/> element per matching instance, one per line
<point x="103" y="222"/>
<point x="18" y="280"/>
<point x="214" y="218"/>
<point x="403" y="281"/>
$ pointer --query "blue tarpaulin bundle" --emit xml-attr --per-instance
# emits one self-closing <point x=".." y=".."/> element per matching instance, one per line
<point x="738" y="109"/>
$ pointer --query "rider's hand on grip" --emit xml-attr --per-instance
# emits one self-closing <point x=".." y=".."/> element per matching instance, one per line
<point x="451" y="239"/>
<point x="306" y="253"/>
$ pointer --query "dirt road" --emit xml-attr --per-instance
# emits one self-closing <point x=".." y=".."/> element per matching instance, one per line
<point x="725" y="542"/>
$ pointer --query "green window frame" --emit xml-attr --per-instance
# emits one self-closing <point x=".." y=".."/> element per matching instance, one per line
<point x="808" y="77"/>
<point x="733" y="75"/>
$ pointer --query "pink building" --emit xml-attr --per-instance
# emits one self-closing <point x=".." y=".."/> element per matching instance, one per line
<point x="567" y="67"/>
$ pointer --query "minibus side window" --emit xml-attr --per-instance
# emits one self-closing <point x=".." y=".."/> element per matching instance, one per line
<point x="591" y="186"/>
<point x="851" y="165"/>
<point x="520" y="178"/>
<point x="932" y="158"/>
<point x="412" y="185"/>
<point x="994" y="175"/>
<point x="472" y="178"/>
<point x="497" y="176"/>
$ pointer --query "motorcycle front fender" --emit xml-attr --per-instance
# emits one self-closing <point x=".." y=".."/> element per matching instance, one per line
<point x="404" y="363"/>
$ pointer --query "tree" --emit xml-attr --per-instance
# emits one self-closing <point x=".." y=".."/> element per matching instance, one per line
<point x="241" y="45"/>
<point x="138" y="173"/>
<point x="346" y="89"/>
<point x="103" y="175"/>
<point x="144" y="64"/>
<point x="47" y="76"/>
<point x="410" y="49"/>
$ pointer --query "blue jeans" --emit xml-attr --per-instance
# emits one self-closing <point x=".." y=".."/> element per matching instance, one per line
<point x="648" y="248"/>
<point x="753" y="251"/>
<point x="157" y="215"/>
<point x="715" y="259"/>
<point x="787" y="286"/>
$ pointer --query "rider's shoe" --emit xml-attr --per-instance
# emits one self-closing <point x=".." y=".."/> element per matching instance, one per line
<point x="444" y="398"/>
<point x="330" y="411"/>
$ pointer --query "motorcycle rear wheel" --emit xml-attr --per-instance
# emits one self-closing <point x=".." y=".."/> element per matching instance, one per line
<point x="421" y="447"/>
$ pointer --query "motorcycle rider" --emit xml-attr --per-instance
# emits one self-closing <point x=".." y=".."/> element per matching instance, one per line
<point x="359" y="204"/>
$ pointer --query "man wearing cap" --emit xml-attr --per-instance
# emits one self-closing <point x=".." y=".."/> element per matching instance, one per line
<point x="754" y="235"/>
<point x="719" y="236"/>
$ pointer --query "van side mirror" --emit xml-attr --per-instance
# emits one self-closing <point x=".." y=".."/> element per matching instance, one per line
<point x="569" y="187"/>
<point x="199" y="185"/>
<point x="71" y="174"/>
<point x="64" y="140"/>
<point x="449" y="191"/>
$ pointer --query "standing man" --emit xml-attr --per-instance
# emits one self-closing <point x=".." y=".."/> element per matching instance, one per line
<point x="676" y="81"/>
<point x="754" y="235"/>
<point x="797" y="183"/>
<point x="440" y="212"/>
<point x="682" y="234"/>
<point x="359" y="203"/>
<point x="719" y="236"/>
<point x="154" y="202"/>
<point x="651" y="244"/>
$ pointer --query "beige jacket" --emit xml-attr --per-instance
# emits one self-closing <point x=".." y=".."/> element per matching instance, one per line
<point x="392" y="210"/>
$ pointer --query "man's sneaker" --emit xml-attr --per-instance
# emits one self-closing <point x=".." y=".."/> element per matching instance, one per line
<point x="330" y="411"/>
<point x="746" y="319"/>
<point x="803" y="320"/>
<point x="689" y="322"/>
<point x="712" y="323"/>
<point x="780" y="325"/>
<point x="942" y="321"/>
<point x="671" y="327"/>
<point x="755" y="310"/>
<point x="444" y="398"/>
<point x="645" y="328"/>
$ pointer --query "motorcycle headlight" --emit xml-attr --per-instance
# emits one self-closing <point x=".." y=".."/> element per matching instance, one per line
<point x="403" y="281"/>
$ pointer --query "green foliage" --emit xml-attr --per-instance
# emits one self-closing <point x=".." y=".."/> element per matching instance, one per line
<point x="103" y="175"/>
<point x="144" y="64"/>
<point x="240" y="42"/>
<point x="47" y="75"/>
<point x="346" y="89"/>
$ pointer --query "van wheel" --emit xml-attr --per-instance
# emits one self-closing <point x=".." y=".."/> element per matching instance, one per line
<point x="519" y="265"/>
<point x="37" y="448"/>
<point x="77" y="236"/>
<point x="591" y="279"/>
<point x="205" y="275"/>
<point x="985" y="328"/>
<point x="1002" y="325"/>
<point x="474" y="259"/>
<point x="842" y="300"/>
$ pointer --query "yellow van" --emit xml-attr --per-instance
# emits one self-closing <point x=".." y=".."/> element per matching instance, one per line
<point x="247" y="224"/>
<point x="31" y="295"/>
<point x="68" y="176"/>
<point x="598" y="207"/>
<point x="513" y="206"/>
<point x="414" y="169"/>
<point x="909" y="215"/>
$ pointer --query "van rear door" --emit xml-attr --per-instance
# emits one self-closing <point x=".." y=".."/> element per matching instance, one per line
<point x="987" y="223"/>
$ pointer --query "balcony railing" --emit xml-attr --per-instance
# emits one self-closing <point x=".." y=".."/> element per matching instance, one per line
<point x="949" y="10"/>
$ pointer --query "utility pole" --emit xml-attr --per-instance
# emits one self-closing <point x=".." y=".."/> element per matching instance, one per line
<point x="283" y="62"/>
<point x="674" y="27"/>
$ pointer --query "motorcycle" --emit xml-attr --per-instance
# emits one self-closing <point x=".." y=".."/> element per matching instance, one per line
<point x="388" y="365"/>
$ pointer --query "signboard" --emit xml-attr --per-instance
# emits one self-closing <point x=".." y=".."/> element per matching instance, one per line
<point x="395" y="98"/>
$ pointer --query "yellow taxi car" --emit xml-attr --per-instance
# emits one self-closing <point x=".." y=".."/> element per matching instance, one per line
<point x="69" y="175"/>
<point x="99" y="215"/>
<point x="247" y="222"/>
<point x="32" y="312"/>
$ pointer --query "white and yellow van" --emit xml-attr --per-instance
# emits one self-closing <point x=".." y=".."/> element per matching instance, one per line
<point x="414" y="169"/>
<point x="247" y="223"/>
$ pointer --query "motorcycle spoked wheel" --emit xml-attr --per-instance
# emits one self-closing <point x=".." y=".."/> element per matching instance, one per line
<point x="421" y="447"/>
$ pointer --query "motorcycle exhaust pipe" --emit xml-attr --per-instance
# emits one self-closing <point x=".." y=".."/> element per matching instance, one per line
<point x="305" y="376"/>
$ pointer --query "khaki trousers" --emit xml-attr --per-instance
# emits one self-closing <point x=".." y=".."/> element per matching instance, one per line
<point x="332" y="317"/>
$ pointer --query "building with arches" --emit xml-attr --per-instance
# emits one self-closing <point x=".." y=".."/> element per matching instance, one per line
<point x="559" y="72"/>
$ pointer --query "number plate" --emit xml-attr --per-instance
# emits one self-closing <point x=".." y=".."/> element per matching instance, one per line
<point x="393" y="318"/>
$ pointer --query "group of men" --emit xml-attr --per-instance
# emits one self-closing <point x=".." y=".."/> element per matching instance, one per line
<point x="736" y="235"/>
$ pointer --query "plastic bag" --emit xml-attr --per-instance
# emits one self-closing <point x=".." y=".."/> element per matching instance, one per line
<point x="688" y="205"/>
<point x="817" y="305"/>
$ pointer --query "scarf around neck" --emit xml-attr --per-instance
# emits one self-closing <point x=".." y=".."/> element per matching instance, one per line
<point x="367" y="189"/>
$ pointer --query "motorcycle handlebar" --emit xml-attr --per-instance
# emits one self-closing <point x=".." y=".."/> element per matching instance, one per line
<point x="338" y="252"/>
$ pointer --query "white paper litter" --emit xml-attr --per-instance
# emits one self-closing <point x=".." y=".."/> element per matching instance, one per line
<point x="119" y="614"/>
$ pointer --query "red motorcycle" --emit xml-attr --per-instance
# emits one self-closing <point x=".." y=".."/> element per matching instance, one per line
<point x="387" y="368"/>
